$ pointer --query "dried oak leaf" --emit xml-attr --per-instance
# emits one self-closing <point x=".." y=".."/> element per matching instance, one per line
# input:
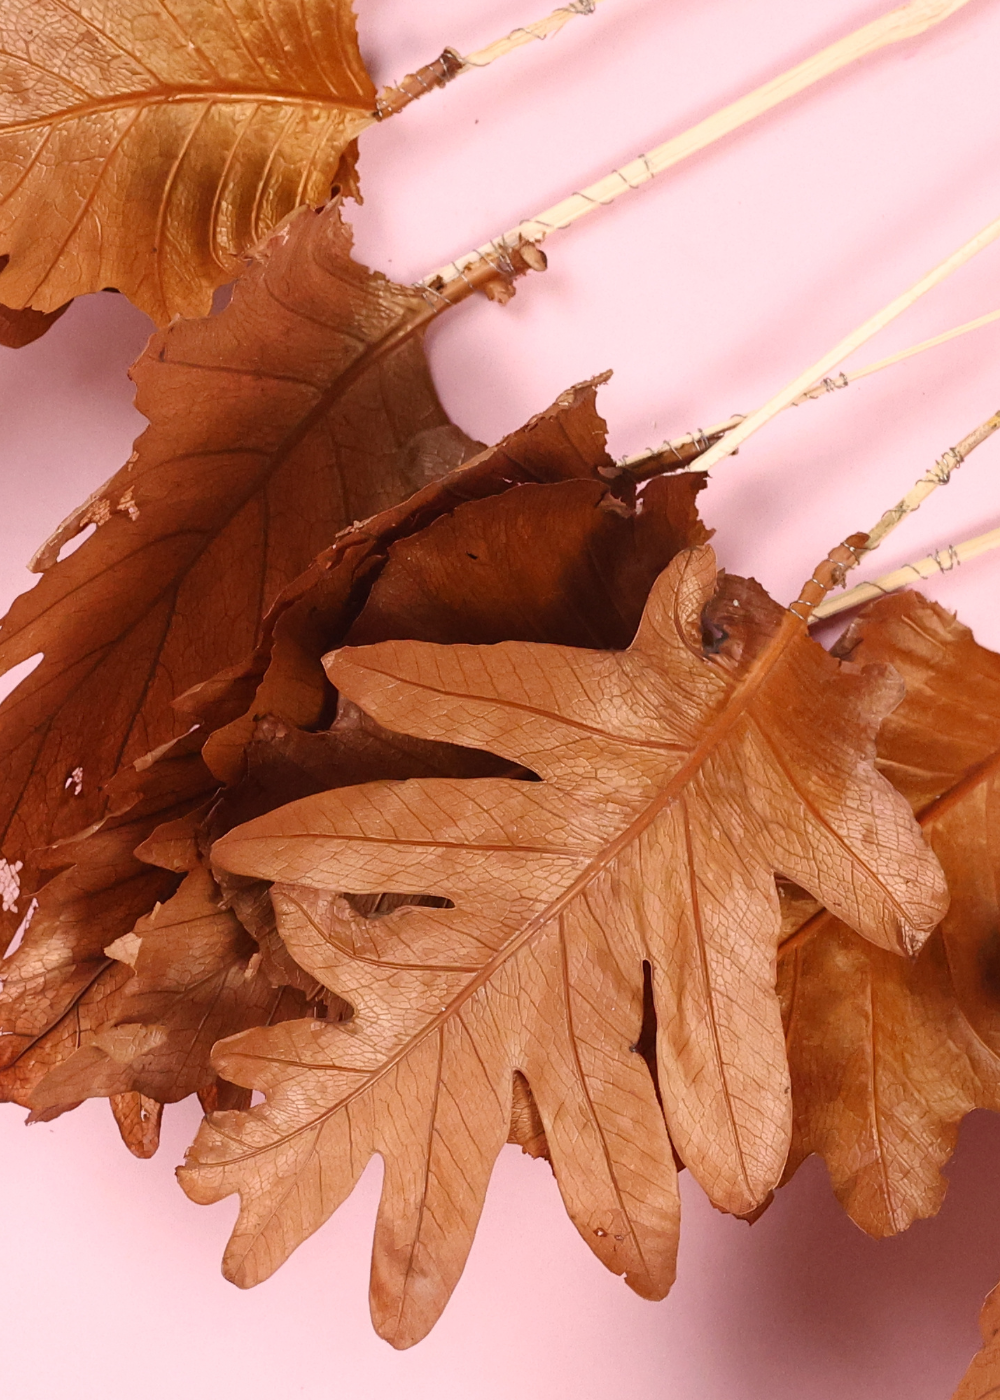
<point x="304" y="405"/>
<point x="146" y="147"/>
<point x="625" y="551"/>
<point x="982" y="1380"/>
<point x="676" y="780"/>
<point x="887" y="1056"/>
<point x="195" y="982"/>
<point x="57" y="983"/>
<point x="564" y="562"/>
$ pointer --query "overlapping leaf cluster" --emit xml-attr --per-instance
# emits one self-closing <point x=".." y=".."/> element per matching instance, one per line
<point x="445" y="795"/>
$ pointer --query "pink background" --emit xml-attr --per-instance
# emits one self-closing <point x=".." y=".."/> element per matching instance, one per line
<point x="705" y="293"/>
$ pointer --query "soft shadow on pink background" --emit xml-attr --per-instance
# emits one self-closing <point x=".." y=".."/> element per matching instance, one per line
<point x="705" y="293"/>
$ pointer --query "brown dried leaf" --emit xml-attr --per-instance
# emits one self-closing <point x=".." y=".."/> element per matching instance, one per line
<point x="675" y="783"/>
<point x="304" y="405"/>
<point x="285" y="676"/>
<point x="59" y="979"/>
<point x="138" y="1120"/>
<point x="195" y="982"/>
<point x="888" y="1056"/>
<point x="147" y="148"/>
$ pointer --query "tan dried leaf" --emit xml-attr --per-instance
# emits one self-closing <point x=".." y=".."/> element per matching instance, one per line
<point x="138" y="1120"/>
<point x="677" y="779"/>
<point x="306" y="404"/>
<point x="195" y="982"/>
<point x="147" y="148"/>
<point x="888" y="1056"/>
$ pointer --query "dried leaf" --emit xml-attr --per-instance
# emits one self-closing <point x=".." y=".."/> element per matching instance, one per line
<point x="59" y="979"/>
<point x="138" y="1120"/>
<point x="888" y="1056"/>
<point x="676" y="781"/>
<point x="982" y="1380"/>
<point x="282" y="764"/>
<point x="285" y="676"/>
<point x="304" y="405"/>
<point x="147" y="148"/>
<point x="195" y="982"/>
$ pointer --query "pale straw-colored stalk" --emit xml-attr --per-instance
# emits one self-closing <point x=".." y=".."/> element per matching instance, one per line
<point x="735" y="437"/>
<point x="941" y="561"/>
<point x="899" y="24"/>
<point x="811" y="605"/>
<point x="451" y="64"/>
<point x="704" y="436"/>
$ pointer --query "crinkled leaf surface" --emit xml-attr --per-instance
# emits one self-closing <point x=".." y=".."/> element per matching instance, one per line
<point x="195" y="982"/>
<point x="887" y="1056"/>
<point x="147" y="146"/>
<point x="59" y="982"/>
<point x="676" y="782"/>
<point x="303" y="406"/>
<point x="285" y="676"/>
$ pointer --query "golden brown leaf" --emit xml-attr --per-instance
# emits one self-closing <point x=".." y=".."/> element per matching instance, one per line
<point x="301" y="407"/>
<point x="888" y="1056"/>
<point x="676" y="781"/>
<point x="147" y="147"/>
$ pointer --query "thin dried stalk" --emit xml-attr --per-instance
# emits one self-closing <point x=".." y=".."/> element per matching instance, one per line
<point x="841" y="381"/>
<point x="452" y="64"/>
<point x="810" y="605"/>
<point x="735" y="438"/>
<point x="942" y="561"/>
<point x="903" y="23"/>
<point x="526" y="34"/>
<point x="939" y="475"/>
<point x="702" y="438"/>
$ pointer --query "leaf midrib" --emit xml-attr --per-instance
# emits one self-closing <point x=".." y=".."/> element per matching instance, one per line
<point x="740" y="699"/>
<point x="163" y="96"/>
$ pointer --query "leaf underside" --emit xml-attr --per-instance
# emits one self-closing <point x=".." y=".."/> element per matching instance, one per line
<point x="676" y="783"/>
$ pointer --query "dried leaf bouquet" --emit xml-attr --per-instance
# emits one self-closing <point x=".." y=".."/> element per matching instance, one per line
<point x="403" y="796"/>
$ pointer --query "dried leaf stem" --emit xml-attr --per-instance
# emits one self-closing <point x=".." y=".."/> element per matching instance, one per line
<point x="905" y="22"/>
<point x="942" y="561"/>
<point x="702" y="438"/>
<point x="733" y="439"/>
<point x="451" y="64"/>
<point x="857" y="546"/>
<point x="841" y="381"/>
